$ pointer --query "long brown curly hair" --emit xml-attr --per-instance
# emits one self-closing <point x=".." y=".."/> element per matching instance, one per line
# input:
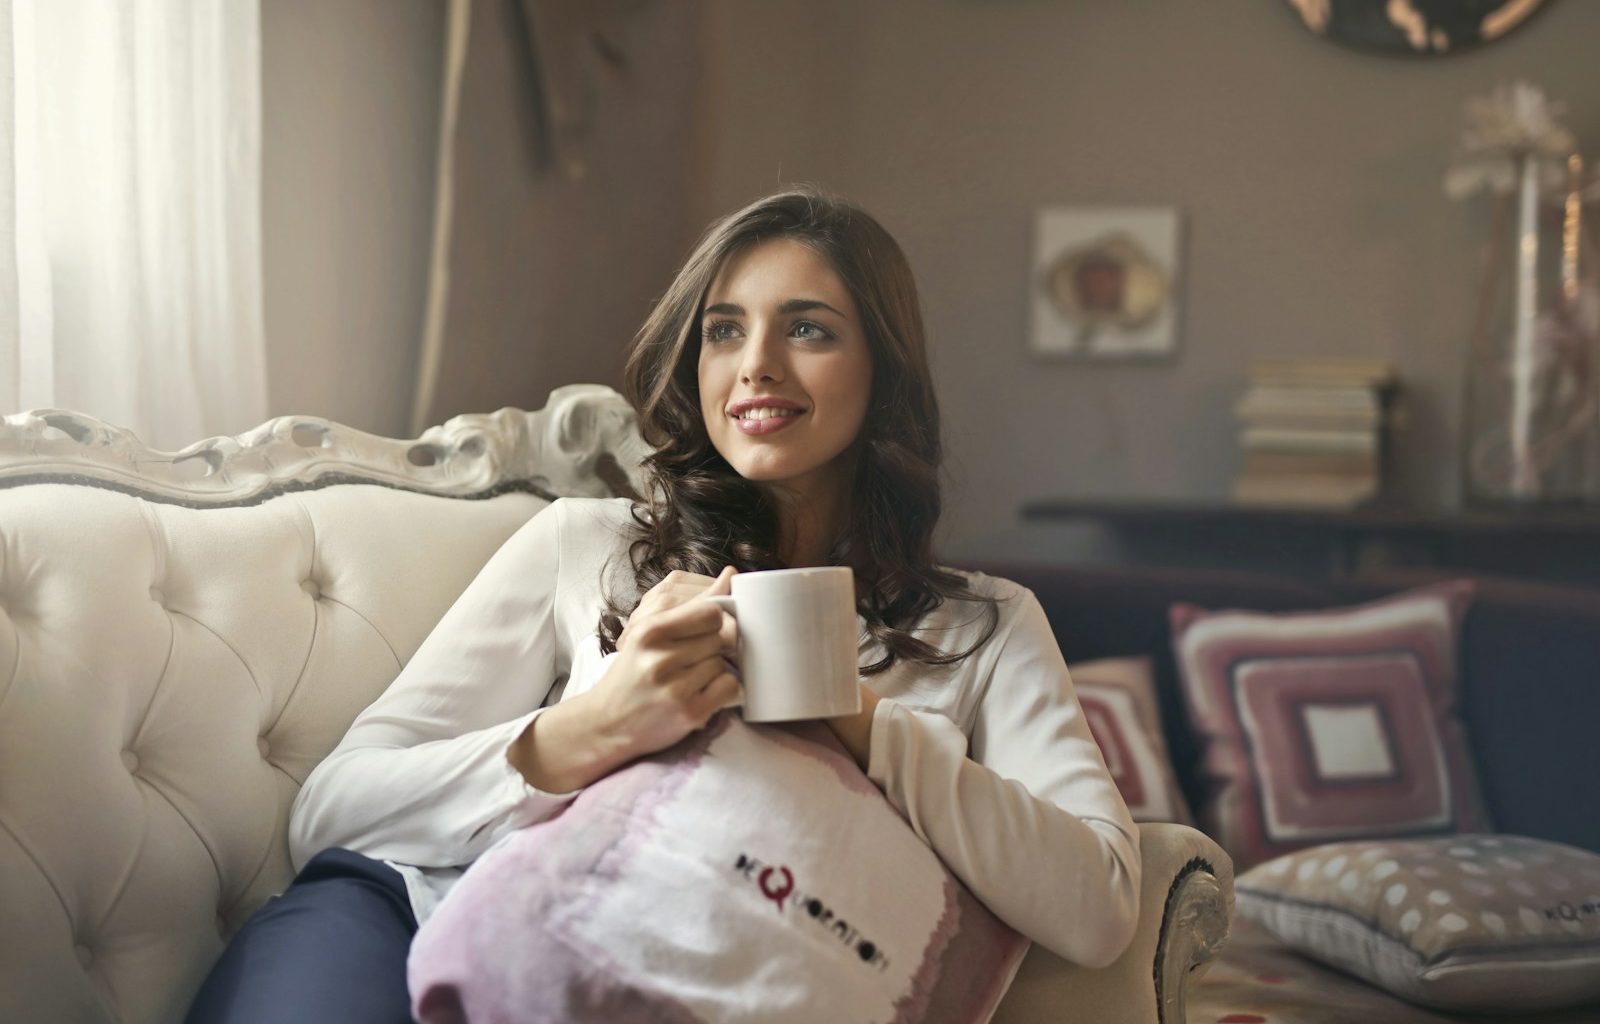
<point x="700" y="514"/>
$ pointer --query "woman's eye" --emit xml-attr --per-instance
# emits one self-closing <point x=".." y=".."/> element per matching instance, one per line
<point x="805" y="330"/>
<point x="720" y="330"/>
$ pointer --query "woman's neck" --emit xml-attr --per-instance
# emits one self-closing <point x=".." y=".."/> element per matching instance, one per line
<point x="809" y="524"/>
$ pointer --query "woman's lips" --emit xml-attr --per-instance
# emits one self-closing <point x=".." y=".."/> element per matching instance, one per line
<point x="770" y="425"/>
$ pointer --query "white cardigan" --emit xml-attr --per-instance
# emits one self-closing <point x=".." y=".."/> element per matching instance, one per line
<point x="1031" y="821"/>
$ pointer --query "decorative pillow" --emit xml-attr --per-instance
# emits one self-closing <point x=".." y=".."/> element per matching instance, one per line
<point x="1118" y="696"/>
<point x="751" y="872"/>
<point x="1329" y="725"/>
<point x="1477" y="923"/>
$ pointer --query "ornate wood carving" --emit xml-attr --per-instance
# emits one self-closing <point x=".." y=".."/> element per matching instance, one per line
<point x="584" y="442"/>
<point x="1193" y="930"/>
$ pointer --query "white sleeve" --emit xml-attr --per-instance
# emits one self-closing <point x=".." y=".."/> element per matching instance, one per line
<point x="422" y="778"/>
<point x="1032" y="823"/>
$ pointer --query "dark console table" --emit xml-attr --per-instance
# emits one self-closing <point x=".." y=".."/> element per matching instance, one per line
<point x="1555" y="544"/>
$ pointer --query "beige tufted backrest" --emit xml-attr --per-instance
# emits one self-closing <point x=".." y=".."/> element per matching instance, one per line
<point x="176" y="656"/>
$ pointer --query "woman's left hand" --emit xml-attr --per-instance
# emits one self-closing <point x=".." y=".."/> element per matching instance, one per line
<point x="855" y="731"/>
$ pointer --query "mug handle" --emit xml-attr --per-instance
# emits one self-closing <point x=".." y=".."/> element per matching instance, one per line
<point x="726" y="603"/>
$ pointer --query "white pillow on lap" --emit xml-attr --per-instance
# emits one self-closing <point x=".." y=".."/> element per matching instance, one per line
<point x="750" y="873"/>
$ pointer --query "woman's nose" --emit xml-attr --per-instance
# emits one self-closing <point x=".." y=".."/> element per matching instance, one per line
<point x="763" y="357"/>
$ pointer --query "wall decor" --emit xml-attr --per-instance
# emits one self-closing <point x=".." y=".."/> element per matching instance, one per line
<point x="1531" y="381"/>
<point x="1104" y="282"/>
<point x="1416" y="27"/>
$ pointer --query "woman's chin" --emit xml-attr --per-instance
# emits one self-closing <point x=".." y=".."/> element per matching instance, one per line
<point x="766" y="473"/>
<point x="784" y="468"/>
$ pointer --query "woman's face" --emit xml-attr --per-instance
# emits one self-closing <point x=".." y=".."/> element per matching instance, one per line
<point x="785" y="374"/>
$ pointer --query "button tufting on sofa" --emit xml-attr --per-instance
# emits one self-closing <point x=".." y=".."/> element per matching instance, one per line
<point x="144" y="616"/>
<point x="130" y="761"/>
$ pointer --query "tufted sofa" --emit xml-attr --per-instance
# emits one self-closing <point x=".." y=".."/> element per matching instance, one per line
<point x="184" y="635"/>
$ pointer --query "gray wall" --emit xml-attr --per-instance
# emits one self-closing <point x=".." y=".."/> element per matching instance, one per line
<point x="350" y="113"/>
<point x="551" y="274"/>
<point x="1309" y="177"/>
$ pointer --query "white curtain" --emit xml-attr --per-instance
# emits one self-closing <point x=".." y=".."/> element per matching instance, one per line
<point x="130" y="213"/>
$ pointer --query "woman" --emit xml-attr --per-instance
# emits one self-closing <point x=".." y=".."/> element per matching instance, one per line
<point x="783" y="384"/>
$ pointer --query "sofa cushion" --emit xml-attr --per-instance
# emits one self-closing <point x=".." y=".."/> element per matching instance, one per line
<point x="1121" y="611"/>
<point x="1530" y="657"/>
<point x="1119" y="700"/>
<point x="748" y="868"/>
<point x="1475" y="923"/>
<point x="1261" y="980"/>
<point x="174" y="673"/>
<point x="1329" y="725"/>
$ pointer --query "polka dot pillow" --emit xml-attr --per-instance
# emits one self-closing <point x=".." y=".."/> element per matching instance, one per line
<point x="1469" y="922"/>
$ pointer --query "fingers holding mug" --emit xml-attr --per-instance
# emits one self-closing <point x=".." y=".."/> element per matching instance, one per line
<point x="722" y="692"/>
<point x="720" y="592"/>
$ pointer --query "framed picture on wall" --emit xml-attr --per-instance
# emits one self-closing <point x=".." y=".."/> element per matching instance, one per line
<point x="1105" y="282"/>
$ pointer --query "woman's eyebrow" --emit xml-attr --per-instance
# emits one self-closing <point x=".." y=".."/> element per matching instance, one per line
<point x="805" y="305"/>
<point x="784" y="307"/>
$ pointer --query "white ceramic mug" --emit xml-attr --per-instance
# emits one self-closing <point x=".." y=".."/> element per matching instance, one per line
<point x="798" y="642"/>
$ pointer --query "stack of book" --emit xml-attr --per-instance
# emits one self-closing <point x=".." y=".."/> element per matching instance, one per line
<point x="1313" y="432"/>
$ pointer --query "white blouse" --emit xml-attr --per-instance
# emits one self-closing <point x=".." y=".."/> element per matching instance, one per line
<point x="990" y="759"/>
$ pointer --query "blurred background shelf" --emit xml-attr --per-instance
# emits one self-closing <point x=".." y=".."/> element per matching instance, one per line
<point x="1556" y="544"/>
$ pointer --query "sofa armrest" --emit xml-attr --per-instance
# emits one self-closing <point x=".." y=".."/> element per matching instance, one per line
<point x="1186" y="906"/>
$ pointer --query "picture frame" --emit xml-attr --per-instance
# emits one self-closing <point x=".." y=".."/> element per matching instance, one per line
<point x="1104" y="282"/>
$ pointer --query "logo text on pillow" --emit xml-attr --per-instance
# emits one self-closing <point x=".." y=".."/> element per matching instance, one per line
<point x="778" y="889"/>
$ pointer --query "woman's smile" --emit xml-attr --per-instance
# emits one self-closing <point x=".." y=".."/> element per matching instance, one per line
<point x="765" y="416"/>
<point x="754" y="424"/>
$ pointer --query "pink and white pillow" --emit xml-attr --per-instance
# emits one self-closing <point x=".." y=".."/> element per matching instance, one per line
<point x="1118" y="697"/>
<point x="750" y="873"/>
<point x="1329" y="725"/>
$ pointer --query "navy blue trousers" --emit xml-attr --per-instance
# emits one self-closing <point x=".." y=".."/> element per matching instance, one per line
<point x="332" y="948"/>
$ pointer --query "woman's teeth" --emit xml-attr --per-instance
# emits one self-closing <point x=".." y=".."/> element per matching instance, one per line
<point x="767" y="413"/>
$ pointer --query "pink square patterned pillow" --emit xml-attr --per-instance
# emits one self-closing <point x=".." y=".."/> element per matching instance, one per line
<point x="750" y="873"/>
<point x="1329" y="725"/>
<point x="1118" y="697"/>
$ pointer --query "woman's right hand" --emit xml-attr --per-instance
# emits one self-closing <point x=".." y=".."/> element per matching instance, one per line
<point x="667" y="679"/>
<point x="669" y="676"/>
